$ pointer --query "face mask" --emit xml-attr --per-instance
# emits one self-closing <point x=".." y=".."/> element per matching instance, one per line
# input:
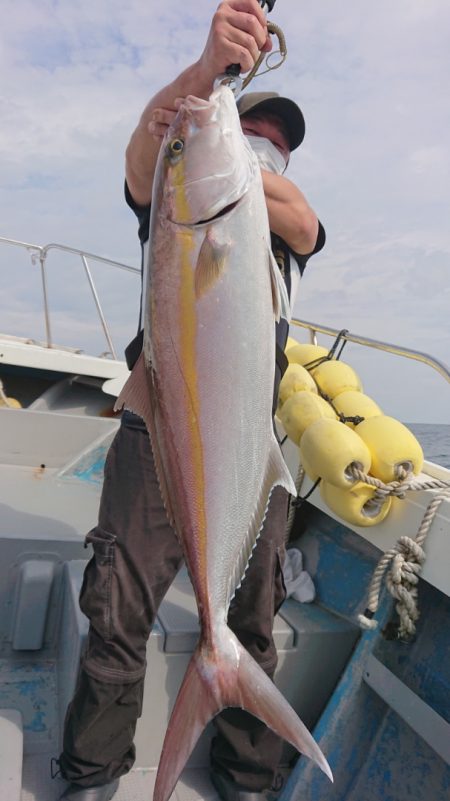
<point x="268" y="155"/>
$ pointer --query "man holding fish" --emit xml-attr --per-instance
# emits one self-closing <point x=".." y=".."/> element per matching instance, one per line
<point x="203" y="374"/>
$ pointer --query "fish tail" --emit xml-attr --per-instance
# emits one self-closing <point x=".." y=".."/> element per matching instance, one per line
<point x="194" y="707"/>
<point x="212" y="683"/>
<point x="257" y="694"/>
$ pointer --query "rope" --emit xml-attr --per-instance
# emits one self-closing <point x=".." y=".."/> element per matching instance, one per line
<point x="331" y="353"/>
<point x="292" y="505"/>
<point x="300" y="498"/>
<point x="396" y="488"/>
<point x="403" y="564"/>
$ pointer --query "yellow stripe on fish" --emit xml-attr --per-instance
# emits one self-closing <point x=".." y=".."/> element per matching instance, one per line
<point x="188" y="330"/>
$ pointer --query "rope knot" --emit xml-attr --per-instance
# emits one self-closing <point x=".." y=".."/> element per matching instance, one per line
<point x="400" y="567"/>
<point x="411" y="551"/>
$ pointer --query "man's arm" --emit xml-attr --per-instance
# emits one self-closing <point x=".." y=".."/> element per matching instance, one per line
<point x="290" y="216"/>
<point x="237" y="34"/>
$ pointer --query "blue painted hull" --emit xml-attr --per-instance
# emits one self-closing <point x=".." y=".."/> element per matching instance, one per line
<point x="374" y="753"/>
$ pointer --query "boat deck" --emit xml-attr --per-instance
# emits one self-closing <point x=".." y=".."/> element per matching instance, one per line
<point x="136" y="786"/>
<point x="50" y="479"/>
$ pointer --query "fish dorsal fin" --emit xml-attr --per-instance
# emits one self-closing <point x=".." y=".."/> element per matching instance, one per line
<point x="211" y="264"/>
<point x="140" y="396"/>
<point x="276" y="474"/>
<point x="280" y="298"/>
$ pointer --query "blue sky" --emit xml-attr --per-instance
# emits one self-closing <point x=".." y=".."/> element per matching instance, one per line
<point x="372" y="80"/>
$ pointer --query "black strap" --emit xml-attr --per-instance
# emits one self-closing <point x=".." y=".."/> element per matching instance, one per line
<point x="281" y="360"/>
<point x="133" y="350"/>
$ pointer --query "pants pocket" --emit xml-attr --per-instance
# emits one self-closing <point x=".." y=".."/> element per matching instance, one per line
<point x="95" y="594"/>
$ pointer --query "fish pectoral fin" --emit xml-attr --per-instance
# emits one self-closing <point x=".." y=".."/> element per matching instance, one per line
<point x="211" y="264"/>
<point x="280" y="298"/>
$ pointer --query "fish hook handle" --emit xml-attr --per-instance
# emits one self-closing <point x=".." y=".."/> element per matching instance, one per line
<point x="232" y="77"/>
<point x="282" y="52"/>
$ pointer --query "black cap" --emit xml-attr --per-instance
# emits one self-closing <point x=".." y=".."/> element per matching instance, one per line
<point x="282" y="107"/>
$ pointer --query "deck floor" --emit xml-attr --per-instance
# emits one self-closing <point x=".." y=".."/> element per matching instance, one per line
<point x="31" y="687"/>
<point x="136" y="786"/>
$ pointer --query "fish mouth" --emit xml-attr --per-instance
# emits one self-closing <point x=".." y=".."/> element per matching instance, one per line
<point x="223" y="212"/>
<point x="219" y="214"/>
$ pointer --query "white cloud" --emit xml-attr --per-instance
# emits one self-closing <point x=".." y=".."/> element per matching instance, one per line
<point x="372" y="81"/>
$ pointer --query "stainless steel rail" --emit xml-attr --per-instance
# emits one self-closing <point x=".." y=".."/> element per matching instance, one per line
<point x="39" y="255"/>
<point x="387" y="347"/>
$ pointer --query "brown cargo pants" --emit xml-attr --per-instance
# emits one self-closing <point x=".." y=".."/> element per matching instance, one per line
<point x="136" y="557"/>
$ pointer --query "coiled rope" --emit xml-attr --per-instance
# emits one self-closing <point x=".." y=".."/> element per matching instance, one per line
<point x="401" y="565"/>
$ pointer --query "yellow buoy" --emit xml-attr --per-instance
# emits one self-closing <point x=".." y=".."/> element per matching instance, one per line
<point x="303" y="353"/>
<point x="355" y="505"/>
<point x="392" y="447"/>
<point x="10" y="403"/>
<point x="295" y="379"/>
<point x="333" y="377"/>
<point x="352" y="403"/>
<point x="302" y="409"/>
<point x="290" y="343"/>
<point x="329" y="449"/>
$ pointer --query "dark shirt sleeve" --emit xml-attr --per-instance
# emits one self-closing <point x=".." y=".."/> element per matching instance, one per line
<point x="142" y="213"/>
<point x="302" y="258"/>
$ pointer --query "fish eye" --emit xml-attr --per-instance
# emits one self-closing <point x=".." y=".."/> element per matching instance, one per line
<point x="176" y="147"/>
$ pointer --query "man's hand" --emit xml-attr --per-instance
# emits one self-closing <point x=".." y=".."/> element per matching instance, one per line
<point x="162" y="118"/>
<point x="237" y="35"/>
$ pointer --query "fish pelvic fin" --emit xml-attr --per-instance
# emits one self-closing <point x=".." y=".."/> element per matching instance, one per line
<point x="219" y="678"/>
<point x="276" y="474"/>
<point x="280" y="298"/>
<point x="211" y="263"/>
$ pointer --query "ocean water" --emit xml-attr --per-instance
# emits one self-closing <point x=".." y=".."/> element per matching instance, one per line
<point x="435" y="441"/>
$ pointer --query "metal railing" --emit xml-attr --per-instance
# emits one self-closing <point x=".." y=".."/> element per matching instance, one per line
<point x="39" y="255"/>
<point x="387" y="347"/>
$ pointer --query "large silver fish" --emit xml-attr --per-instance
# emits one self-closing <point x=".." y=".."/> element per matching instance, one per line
<point x="203" y="385"/>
